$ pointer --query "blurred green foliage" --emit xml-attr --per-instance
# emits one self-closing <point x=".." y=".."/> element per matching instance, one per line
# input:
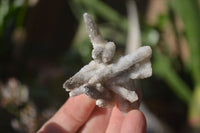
<point x="189" y="11"/>
<point x="12" y="15"/>
<point x="182" y="77"/>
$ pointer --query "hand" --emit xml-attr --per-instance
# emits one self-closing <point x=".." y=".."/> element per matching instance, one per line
<point x="80" y="114"/>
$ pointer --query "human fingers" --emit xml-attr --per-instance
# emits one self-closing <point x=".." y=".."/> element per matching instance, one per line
<point x="71" y="116"/>
<point x="98" y="121"/>
<point x="115" y="121"/>
<point x="134" y="122"/>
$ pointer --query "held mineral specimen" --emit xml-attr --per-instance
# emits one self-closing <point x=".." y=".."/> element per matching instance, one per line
<point x="109" y="82"/>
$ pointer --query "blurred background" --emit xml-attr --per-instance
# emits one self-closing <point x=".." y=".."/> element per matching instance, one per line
<point x="44" y="42"/>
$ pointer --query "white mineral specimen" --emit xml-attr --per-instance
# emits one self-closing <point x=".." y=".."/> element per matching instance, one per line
<point x="107" y="82"/>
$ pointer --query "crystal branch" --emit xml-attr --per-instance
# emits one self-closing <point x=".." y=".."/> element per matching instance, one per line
<point x="109" y="82"/>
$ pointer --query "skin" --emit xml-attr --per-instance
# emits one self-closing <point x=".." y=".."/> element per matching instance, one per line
<point x="80" y="114"/>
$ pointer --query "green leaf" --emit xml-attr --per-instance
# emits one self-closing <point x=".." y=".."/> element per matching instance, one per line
<point x="162" y="67"/>
<point x="188" y="10"/>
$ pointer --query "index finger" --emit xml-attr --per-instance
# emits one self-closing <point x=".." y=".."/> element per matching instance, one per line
<point x="71" y="116"/>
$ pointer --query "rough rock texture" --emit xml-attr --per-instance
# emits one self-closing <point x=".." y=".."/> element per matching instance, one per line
<point x="109" y="82"/>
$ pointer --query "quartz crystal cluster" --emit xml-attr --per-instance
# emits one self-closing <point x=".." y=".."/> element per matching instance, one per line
<point x="110" y="83"/>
